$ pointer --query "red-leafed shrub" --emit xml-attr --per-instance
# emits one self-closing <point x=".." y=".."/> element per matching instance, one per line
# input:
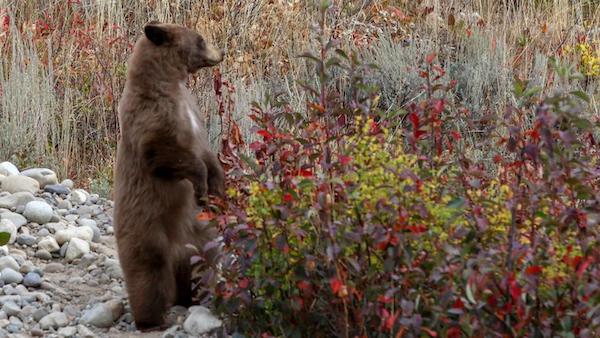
<point x="345" y="221"/>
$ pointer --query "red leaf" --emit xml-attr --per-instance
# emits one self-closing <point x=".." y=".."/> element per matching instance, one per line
<point x="583" y="266"/>
<point x="287" y="197"/>
<point x="429" y="58"/>
<point x="336" y="285"/>
<point x="389" y="321"/>
<point x="455" y="135"/>
<point x="430" y="332"/>
<point x="304" y="285"/>
<point x="265" y="134"/>
<point x="305" y="172"/>
<point x="453" y="332"/>
<point x="438" y="106"/>
<point x="534" y="270"/>
<point x="384" y="299"/>
<point x="345" y="159"/>
<point x="205" y="216"/>
<point x="458" y="304"/>
<point x="244" y="283"/>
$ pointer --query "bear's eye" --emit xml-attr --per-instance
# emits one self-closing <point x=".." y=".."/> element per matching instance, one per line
<point x="201" y="43"/>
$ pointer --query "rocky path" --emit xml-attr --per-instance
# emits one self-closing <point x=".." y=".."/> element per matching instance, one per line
<point x="59" y="273"/>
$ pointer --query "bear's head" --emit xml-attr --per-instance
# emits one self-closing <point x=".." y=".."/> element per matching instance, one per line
<point x="189" y="47"/>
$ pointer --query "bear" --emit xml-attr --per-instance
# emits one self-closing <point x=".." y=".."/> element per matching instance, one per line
<point x="164" y="171"/>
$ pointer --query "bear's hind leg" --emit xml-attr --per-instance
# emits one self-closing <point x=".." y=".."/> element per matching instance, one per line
<point x="151" y="289"/>
<point x="183" y="281"/>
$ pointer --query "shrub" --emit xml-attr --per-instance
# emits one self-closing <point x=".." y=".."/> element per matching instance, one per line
<point x="339" y="225"/>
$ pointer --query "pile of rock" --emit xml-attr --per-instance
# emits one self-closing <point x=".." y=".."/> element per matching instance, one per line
<point x="59" y="274"/>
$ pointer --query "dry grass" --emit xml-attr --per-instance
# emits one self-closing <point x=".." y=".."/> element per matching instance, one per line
<point x="62" y="63"/>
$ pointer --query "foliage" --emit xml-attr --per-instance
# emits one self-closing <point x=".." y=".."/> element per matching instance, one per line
<point x="348" y="221"/>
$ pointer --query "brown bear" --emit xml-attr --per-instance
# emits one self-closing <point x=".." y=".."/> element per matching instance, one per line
<point x="163" y="172"/>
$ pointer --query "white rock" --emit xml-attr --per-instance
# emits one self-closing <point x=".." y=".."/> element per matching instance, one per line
<point x="8" y="262"/>
<point x="103" y="315"/>
<point x="86" y="222"/>
<point x="19" y="183"/>
<point x="84" y="332"/>
<point x="38" y="212"/>
<point x="200" y="321"/>
<point x="11" y="308"/>
<point x="17" y="219"/>
<point x="77" y="248"/>
<point x="54" y="320"/>
<point x="49" y="244"/>
<point x="10" y="276"/>
<point x="67" y="183"/>
<point x="8" y="226"/>
<point x="84" y="232"/>
<point x="42" y="175"/>
<point x="15" y="200"/>
<point x="8" y="169"/>
<point x="78" y="196"/>
<point x="69" y="331"/>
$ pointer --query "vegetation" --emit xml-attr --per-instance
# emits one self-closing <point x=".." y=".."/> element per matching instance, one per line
<point x="429" y="169"/>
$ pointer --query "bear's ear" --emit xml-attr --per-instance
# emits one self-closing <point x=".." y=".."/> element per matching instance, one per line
<point x="157" y="34"/>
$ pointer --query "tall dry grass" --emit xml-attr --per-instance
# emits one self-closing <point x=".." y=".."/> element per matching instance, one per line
<point x="63" y="63"/>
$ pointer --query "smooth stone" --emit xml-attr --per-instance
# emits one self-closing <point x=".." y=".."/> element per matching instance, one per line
<point x="38" y="212"/>
<point x="10" y="276"/>
<point x="55" y="226"/>
<point x="113" y="268"/>
<point x="8" y="169"/>
<point x="14" y="184"/>
<point x="49" y="244"/>
<point x="57" y="189"/>
<point x="26" y="240"/>
<point x="86" y="222"/>
<point x="67" y="183"/>
<point x="32" y="279"/>
<point x="200" y="321"/>
<point x="84" y="332"/>
<point x="84" y="232"/>
<point x="8" y="226"/>
<point x="77" y="248"/>
<point x="104" y="314"/>
<point x="78" y="196"/>
<point x="63" y="249"/>
<point x="8" y="262"/>
<point x="64" y="204"/>
<point x="54" y="267"/>
<point x="43" y="176"/>
<point x="17" y="219"/>
<point x="36" y="332"/>
<point x="16" y="200"/>
<point x="26" y="267"/>
<point x="39" y="313"/>
<point x="43" y="254"/>
<point x="69" y="331"/>
<point x="11" y="308"/>
<point x="97" y="234"/>
<point x="43" y="232"/>
<point x="54" y="320"/>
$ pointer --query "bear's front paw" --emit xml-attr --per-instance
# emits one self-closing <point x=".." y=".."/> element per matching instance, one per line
<point x="201" y="193"/>
<point x="216" y="186"/>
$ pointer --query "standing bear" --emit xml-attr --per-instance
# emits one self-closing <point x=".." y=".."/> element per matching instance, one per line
<point x="164" y="170"/>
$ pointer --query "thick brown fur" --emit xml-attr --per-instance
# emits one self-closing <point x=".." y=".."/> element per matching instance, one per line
<point x="164" y="169"/>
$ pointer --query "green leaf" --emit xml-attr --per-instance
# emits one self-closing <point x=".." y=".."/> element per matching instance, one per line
<point x="470" y="294"/>
<point x="582" y="95"/>
<point x="325" y="4"/>
<point x="519" y="87"/>
<point x="4" y="238"/>
<point x="251" y="162"/>
<point x="532" y="92"/>
<point x="456" y="203"/>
